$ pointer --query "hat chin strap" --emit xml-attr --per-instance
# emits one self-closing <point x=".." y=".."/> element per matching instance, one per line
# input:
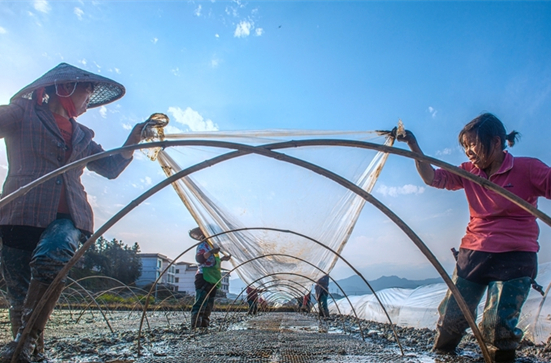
<point x="64" y="96"/>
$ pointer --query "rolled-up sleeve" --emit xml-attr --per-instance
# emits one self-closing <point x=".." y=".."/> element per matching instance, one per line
<point x="444" y="179"/>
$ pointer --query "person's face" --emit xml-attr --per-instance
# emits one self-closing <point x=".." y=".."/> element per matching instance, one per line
<point x="81" y="97"/>
<point x="475" y="153"/>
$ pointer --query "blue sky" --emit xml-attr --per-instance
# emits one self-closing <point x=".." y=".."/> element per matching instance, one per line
<point x="332" y="65"/>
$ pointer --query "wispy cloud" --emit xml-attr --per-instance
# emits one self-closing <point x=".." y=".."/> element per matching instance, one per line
<point x="3" y="31"/>
<point x="79" y="13"/>
<point x="42" y="5"/>
<point x="432" y="111"/>
<point x="396" y="191"/>
<point x="214" y="62"/>
<point x="243" y="29"/>
<point x="154" y="40"/>
<point x="259" y="31"/>
<point x="103" y="111"/>
<point x="192" y="119"/>
<point x="82" y="61"/>
<point x="197" y="11"/>
<point x="175" y="71"/>
<point x="446" y="151"/>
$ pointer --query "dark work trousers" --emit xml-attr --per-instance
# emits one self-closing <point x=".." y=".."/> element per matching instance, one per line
<point x="35" y="253"/>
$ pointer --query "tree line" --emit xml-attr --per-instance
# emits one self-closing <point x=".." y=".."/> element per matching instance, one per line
<point x="112" y="259"/>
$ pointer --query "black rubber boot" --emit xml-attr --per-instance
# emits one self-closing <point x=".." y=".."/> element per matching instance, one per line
<point x="30" y="343"/>
<point x="500" y="355"/>
<point x="452" y="324"/>
<point x="501" y="314"/>
<point x="209" y="305"/>
<point x="196" y="321"/>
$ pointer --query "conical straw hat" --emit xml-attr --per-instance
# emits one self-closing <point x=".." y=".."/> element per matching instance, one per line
<point x="105" y="91"/>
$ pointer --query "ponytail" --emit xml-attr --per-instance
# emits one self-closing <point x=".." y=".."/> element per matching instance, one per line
<point x="512" y="137"/>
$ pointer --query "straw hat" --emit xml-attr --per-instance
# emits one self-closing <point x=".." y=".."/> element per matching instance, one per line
<point x="197" y="234"/>
<point x="105" y="90"/>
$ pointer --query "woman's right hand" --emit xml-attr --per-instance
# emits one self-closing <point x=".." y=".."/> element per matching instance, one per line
<point x="409" y="137"/>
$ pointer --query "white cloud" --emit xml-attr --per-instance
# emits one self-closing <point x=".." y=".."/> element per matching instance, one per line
<point x="83" y="62"/>
<point x="192" y="119"/>
<point x="175" y="71"/>
<point x="42" y="6"/>
<point x="214" y="63"/>
<point x="127" y="126"/>
<point x="432" y="112"/>
<point x="172" y="130"/>
<point x="259" y="31"/>
<point x="396" y="191"/>
<point x="117" y="71"/>
<point x="197" y="11"/>
<point x="93" y="200"/>
<point x="2" y="30"/>
<point x="446" y="151"/>
<point x="79" y="13"/>
<point x="243" y="29"/>
<point x="103" y="111"/>
<point x="216" y="36"/>
<point x="154" y="40"/>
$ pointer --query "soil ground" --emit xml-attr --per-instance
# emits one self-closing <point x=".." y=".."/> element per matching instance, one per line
<point x="236" y="337"/>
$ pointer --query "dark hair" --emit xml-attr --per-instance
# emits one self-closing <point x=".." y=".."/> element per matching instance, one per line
<point x="486" y="127"/>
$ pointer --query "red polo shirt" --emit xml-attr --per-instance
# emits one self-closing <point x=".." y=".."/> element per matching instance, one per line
<point x="497" y="224"/>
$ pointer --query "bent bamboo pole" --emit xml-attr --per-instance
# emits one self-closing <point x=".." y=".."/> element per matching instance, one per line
<point x="266" y="150"/>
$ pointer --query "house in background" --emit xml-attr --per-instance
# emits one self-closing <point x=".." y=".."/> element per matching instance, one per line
<point x="153" y="264"/>
<point x="180" y="277"/>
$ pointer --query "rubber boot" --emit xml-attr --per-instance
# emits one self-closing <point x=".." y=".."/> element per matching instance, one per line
<point x="501" y="314"/>
<point x="452" y="324"/>
<point x="198" y="308"/>
<point x="36" y="291"/>
<point x="209" y="305"/>
<point x="15" y="320"/>
<point x="196" y="321"/>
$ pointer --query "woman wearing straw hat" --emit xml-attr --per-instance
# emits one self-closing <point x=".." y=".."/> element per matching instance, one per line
<point x="41" y="230"/>
<point x="498" y="254"/>
<point x="207" y="279"/>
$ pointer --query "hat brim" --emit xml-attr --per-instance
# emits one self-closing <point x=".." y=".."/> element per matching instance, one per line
<point x="105" y="90"/>
<point x="197" y="234"/>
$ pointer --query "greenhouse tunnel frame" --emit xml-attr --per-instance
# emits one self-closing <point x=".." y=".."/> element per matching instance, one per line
<point x="267" y="151"/>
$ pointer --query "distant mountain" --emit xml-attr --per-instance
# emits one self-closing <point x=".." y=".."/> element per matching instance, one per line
<point x="354" y="285"/>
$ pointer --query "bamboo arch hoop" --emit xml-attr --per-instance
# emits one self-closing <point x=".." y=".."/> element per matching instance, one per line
<point x="266" y="150"/>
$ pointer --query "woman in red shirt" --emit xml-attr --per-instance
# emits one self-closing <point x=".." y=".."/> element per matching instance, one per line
<point x="499" y="250"/>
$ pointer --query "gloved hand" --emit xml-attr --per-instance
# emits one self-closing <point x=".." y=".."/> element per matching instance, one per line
<point x="215" y="250"/>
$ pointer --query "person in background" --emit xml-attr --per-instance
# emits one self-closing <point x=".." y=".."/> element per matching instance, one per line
<point x="306" y="303"/>
<point x="253" y="299"/>
<point x="322" y="291"/>
<point x="299" y="303"/>
<point x="498" y="253"/>
<point x="42" y="229"/>
<point x="207" y="279"/>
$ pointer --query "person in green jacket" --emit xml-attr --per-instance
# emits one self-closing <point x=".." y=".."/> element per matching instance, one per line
<point x="207" y="279"/>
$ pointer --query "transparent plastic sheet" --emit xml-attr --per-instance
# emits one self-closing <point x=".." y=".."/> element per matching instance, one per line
<point x="257" y="192"/>
<point x="418" y="308"/>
